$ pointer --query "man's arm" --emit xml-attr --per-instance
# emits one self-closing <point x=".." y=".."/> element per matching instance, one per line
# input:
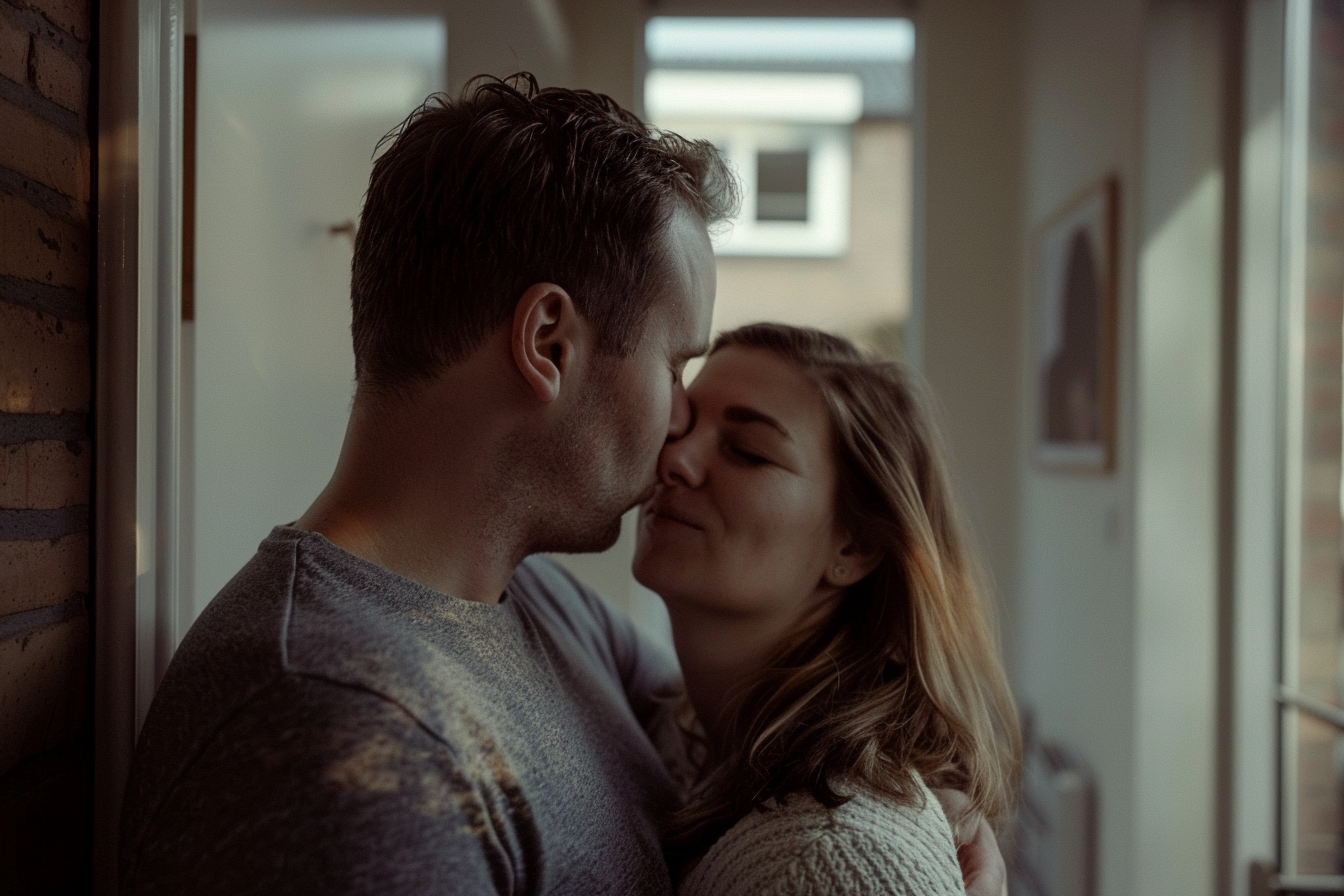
<point x="315" y="787"/>
<point x="657" y="696"/>
<point x="646" y="673"/>
<point x="982" y="865"/>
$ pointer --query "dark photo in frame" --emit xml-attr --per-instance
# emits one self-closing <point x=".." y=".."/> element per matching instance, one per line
<point x="1073" y="291"/>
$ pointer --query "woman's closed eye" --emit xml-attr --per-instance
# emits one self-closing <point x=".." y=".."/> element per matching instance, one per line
<point x="744" y="454"/>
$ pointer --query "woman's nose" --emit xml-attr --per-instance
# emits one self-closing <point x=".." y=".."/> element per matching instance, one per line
<point x="680" y="462"/>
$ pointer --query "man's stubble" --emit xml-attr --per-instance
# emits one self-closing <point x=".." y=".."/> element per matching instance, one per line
<point x="580" y="482"/>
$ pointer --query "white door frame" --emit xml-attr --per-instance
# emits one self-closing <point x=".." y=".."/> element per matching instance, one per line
<point x="136" y="386"/>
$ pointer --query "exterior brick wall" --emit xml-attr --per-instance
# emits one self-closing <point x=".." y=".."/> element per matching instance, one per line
<point x="1319" y="821"/>
<point x="45" y="454"/>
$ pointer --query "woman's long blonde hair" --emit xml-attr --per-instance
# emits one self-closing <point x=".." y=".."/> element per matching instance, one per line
<point x="904" y="675"/>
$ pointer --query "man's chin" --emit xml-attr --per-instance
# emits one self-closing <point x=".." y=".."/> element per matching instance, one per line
<point x="600" y="535"/>
<point x="592" y="542"/>
<point x="608" y="539"/>
<point x="644" y="498"/>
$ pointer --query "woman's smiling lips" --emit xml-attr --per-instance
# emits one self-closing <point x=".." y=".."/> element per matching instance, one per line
<point x="660" y="512"/>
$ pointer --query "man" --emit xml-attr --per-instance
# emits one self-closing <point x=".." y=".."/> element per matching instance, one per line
<point x="387" y="698"/>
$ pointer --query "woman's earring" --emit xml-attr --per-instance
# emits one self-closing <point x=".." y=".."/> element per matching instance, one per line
<point x="839" y="572"/>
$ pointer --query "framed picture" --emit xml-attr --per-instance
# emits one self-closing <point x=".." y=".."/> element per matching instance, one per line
<point x="1073" y="287"/>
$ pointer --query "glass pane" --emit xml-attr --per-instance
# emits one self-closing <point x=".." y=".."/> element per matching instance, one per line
<point x="289" y="113"/>
<point x="781" y="186"/>
<point x="814" y="114"/>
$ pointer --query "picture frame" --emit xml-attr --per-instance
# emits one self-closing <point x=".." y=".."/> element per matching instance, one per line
<point x="1073" y="295"/>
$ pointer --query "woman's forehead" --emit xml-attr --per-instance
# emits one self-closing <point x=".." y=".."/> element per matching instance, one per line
<point x="760" y="379"/>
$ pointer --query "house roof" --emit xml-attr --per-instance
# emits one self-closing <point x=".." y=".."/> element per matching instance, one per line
<point x="876" y="51"/>
<point x="888" y="90"/>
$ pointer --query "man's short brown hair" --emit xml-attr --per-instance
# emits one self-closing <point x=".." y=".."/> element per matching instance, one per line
<point x="478" y="198"/>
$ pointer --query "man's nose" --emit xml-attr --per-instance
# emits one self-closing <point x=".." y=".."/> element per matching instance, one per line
<point x="679" y="423"/>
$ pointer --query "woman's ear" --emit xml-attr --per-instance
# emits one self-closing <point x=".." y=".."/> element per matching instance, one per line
<point x="545" y="329"/>
<point x="849" y="564"/>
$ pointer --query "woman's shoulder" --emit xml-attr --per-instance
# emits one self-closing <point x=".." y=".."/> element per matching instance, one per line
<point x="869" y="844"/>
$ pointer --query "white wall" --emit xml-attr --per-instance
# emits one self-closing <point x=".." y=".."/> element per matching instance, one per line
<point x="1074" y="623"/>
<point x="1178" y="339"/>
<point x="967" y="260"/>
<point x="500" y="37"/>
<point x="1116" y="618"/>
<point x="607" y="47"/>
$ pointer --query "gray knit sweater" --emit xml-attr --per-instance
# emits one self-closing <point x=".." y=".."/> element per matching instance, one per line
<point x="329" y="727"/>
<point x="868" y="845"/>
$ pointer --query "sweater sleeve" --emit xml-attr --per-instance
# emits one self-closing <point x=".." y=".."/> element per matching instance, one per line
<point x="648" y="675"/>
<point x="868" y="845"/>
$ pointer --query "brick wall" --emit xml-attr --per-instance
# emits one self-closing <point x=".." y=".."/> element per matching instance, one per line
<point x="1319" y="820"/>
<point x="44" y="445"/>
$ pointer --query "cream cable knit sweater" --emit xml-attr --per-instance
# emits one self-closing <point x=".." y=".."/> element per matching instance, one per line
<point x="868" y="845"/>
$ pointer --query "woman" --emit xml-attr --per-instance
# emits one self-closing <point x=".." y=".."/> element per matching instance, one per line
<point x="831" y="632"/>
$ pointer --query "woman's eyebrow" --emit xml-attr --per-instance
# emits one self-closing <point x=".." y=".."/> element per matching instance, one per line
<point x="740" y="414"/>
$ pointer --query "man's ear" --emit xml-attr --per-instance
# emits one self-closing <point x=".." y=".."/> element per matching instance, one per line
<point x="546" y="327"/>
<point x="849" y="564"/>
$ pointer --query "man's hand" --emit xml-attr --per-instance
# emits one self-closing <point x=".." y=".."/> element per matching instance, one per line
<point x="982" y="866"/>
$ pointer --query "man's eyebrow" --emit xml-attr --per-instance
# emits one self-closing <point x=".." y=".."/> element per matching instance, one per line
<point x="740" y="414"/>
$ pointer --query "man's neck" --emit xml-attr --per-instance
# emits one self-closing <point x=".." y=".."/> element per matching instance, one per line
<point x="422" y="498"/>
<point x="455" y="561"/>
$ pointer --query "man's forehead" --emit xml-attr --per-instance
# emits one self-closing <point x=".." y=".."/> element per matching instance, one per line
<point x="684" y="328"/>
<point x="687" y="303"/>
<point x="696" y="315"/>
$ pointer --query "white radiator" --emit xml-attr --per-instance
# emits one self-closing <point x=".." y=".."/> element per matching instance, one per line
<point x="1053" y="850"/>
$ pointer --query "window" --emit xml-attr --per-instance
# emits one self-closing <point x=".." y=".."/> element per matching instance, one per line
<point x="789" y="135"/>
<point x="781" y="185"/>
